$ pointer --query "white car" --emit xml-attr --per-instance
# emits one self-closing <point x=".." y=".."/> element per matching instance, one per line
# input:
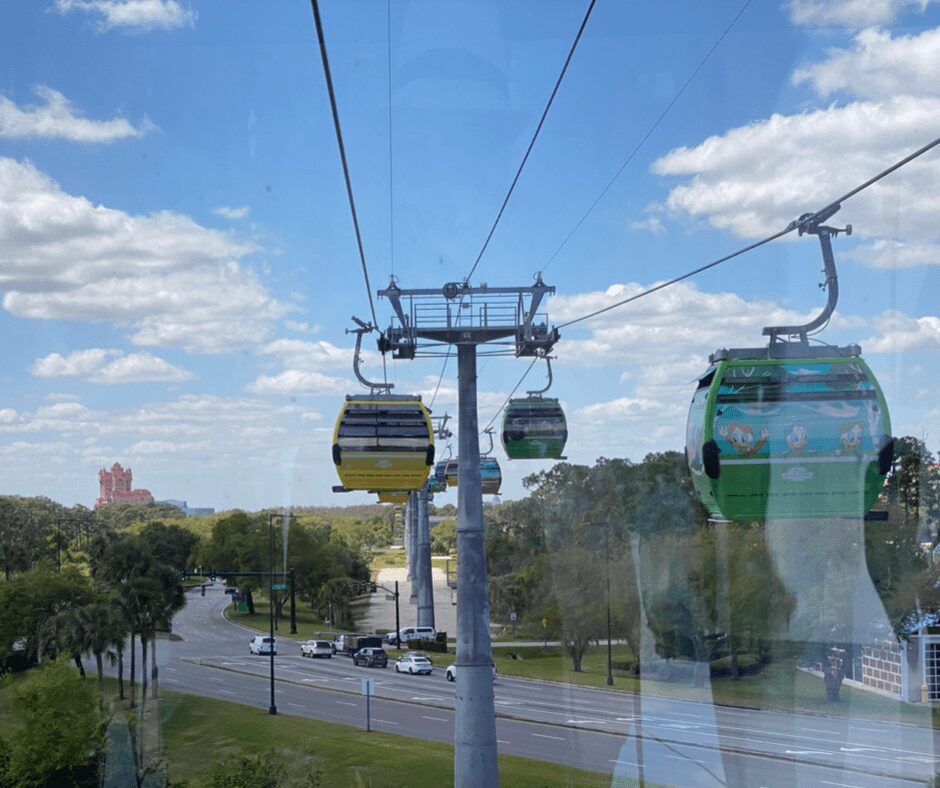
<point x="262" y="644"/>
<point x="413" y="663"/>
<point x="316" y="648"/>
<point x="451" y="673"/>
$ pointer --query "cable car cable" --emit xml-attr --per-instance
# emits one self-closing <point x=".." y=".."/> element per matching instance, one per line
<point x="794" y="225"/>
<point x="514" y="390"/>
<point x="648" y="134"/>
<point x="790" y="228"/>
<point x="391" y="191"/>
<point x="342" y="155"/>
<point x="522" y="164"/>
<point x="535" y="136"/>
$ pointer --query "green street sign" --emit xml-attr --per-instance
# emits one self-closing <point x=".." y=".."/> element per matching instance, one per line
<point x="279" y="587"/>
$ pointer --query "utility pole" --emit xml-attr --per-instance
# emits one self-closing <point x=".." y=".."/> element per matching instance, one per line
<point x="466" y="316"/>
<point x="610" y="659"/>
<point x="293" y="603"/>
<point x="423" y="562"/>
<point x="413" y="546"/>
<point x="272" y="709"/>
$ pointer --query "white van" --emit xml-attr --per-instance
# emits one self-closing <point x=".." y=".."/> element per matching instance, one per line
<point x="262" y="644"/>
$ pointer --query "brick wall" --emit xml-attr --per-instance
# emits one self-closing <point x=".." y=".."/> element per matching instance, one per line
<point x="881" y="666"/>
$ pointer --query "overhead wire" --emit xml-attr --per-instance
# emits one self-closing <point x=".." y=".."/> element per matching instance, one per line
<point x="525" y="158"/>
<point x="648" y="134"/>
<point x="794" y="225"/>
<point x="391" y="190"/>
<point x="535" y="136"/>
<point x="315" y="5"/>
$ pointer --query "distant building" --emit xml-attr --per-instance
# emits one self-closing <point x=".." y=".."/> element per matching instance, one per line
<point x="117" y="486"/>
<point x="189" y="511"/>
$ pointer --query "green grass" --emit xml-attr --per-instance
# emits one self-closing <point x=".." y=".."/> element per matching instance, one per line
<point x="780" y="686"/>
<point x="385" y="557"/>
<point x="308" y="622"/>
<point x="195" y="731"/>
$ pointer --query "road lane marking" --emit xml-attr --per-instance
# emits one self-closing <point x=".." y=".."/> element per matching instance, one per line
<point x="683" y="714"/>
<point x="428" y="697"/>
<point x="297" y="705"/>
<point x="842" y="785"/>
<point x="436" y="719"/>
<point x="807" y="752"/>
<point x="384" y="722"/>
<point x="686" y="758"/>
<point x="501" y="741"/>
<point x="172" y="670"/>
<point x="546" y="736"/>
<point x="622" y="763"/>
<point x="859" y="749"/>
<point x="213" y="678"/>
<point x="588" y="722"/>
<point x="227" y="692"/>
<point x="344" y="703"/>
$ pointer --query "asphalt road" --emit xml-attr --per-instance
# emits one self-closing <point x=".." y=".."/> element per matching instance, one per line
<point x="668" y="741"/>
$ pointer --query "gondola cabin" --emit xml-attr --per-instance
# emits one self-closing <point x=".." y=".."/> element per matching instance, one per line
<point x="440" y="472"/>
<point x="434" y="486"/>
<point x="491" y="478"/>
<point x="383" y="443"/>
<point x="394" y="496"/>
<point x="450" y="473"/>
<point x="534" y="428"/>
<point x="788" y="438"/>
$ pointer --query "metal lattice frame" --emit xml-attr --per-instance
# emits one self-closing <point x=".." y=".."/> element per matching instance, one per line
<point x="459" y="314"/>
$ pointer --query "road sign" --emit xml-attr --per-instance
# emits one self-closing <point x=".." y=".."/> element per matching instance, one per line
<point x="279" y="586"/>
<point x="367" y="687"/>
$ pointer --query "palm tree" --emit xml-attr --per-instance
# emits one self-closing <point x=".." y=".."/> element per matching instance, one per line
<point x="104" y="625"/>
<point x="69" y="635"/>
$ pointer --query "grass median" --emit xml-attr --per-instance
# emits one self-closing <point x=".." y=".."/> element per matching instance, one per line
<point x="195" y="732"/>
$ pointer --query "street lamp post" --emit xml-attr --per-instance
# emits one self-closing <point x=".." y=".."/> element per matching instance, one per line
<point x="272" y="709"/>
<point x="610" y="663"/>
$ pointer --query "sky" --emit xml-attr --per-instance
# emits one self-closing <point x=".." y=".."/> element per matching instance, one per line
<point x="178" y="266"/>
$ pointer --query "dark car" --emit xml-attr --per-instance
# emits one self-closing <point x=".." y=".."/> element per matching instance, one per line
<point x="371" y="657"/>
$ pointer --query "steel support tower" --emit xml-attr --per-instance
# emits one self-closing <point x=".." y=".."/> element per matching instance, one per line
<point x="467" y="317"/>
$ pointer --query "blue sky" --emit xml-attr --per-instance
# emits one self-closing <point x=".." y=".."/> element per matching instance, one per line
<point x="177" y="262"/>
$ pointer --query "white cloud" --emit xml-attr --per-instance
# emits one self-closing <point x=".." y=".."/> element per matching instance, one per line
<point x="171" y="280"/>
<point x="8" y="416"/>
<point x="230" y="212"/>
<point x="58" y="119"/>
<point x="302" y="353"/>
<point x="886" y="253"/>
<point x="879" y="67"/>
<point x="302" y="327"/>
<point x="168" y="447"/>
<point x="651" y="329"/>
<point x="133" y="14"/>
<point x="754" y="179"/>
<point x="899" y="333"/>
<point x="100" y="365"/>
<point x="296" y="381"/>
<point x="854" y="14"/>
<point x="651" y="224"/>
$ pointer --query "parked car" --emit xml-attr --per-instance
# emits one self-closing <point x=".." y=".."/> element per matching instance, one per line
<point x="412" y="633"/>
<point x="262" y="644"/>
<point x="230" y="590"/>
<point x="371" y="657"/>
<point x="316" y="648"/>
<point x="451" y="673"/>
<point x="413" y="662"/>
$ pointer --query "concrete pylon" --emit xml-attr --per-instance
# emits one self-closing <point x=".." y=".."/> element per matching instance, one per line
<point x="423" y="579"/>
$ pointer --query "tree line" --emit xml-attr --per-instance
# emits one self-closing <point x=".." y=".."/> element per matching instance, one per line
<point x="723" y="595"/>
